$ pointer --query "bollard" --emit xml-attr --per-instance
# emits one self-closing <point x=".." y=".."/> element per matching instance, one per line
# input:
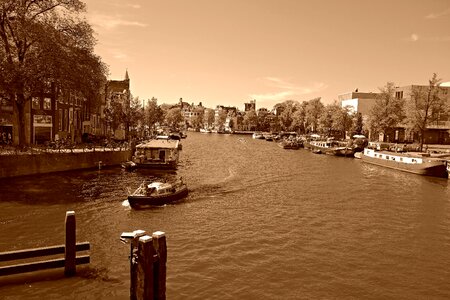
<point x="148" y="257"/>
<point x="70" y="245"/>
<point x="160" y="245"/>
<point x="145" y="275"/>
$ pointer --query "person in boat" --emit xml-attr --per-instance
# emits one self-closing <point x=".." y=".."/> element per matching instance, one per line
<point x="149" y="191"/>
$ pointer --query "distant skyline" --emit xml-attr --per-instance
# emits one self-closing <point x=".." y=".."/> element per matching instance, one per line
<point x="230" y="52"/>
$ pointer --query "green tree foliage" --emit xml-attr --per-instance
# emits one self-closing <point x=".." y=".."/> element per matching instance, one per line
<point x="388" y="111"/>
<point x="426" y="106"/>
<point x="45" y="44"/>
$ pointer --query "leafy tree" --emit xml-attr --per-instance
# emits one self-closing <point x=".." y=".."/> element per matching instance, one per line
<point x="251" y="120"/>
<point x="210" y="117"/>
<point x="114" y="113"/>
<point x="357" y="124"/>
<point x="174" y="118"/>
<point x="387" y="112"/>
<point x="425" y="107"/>
<point x="133" y="116"/>
<point x="288" y="108"/>
<point x="325" y="122"/>
<point x="197" y="119"/>
<point x="342" y="120"/>
<point x="313" y="110"/>
<point x="152" y="114"/>
<point x="220" y="122"/>
<point x="299" y="118"/>
<point x="45" y="46"/>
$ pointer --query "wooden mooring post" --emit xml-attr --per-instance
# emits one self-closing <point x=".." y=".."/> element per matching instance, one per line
<point x="148" y="258"/>
<point x="68" y="262"/>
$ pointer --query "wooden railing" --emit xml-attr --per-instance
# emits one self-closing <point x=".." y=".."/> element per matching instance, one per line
<point x="68" y="262"/>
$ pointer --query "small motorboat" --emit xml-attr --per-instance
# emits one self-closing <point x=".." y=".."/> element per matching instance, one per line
<point x="128" y="165"/>
<point x="157" y="193"/>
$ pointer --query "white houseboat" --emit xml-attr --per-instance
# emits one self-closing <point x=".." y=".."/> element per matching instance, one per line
<point x="162" y="154"/>
<point x="421" y="164"/>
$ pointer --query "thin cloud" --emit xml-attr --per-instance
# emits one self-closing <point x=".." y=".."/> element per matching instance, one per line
<point x="438" y="15"/>
<point x="111" y="22"/>
<point x="288" y="90"/>
<point x="119" y="55"/>
<point x="296" y="89"/>
<point x="272" y="96"/>
<point x="414" y="37"/>
<point x="437" y="39"/>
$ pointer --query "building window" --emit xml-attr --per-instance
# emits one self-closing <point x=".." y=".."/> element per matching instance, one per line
<point x="35" y="103"/>
<point x="47" y="104"/>
<point x="399" y="95"/>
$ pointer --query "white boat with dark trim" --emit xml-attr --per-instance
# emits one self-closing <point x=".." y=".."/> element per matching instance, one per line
<point x="420" y="163"/>
<point x="157" y="193"/>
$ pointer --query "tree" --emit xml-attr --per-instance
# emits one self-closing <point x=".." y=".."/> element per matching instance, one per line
<point x="45" y="47"/>
<point x="299" y="118"/>
<point x="174" y="118"/>
<point x="387" y="112"/>
<point x="152" y="114"/>
<point x="220" y="122"/>
<point x="197" y="119"/>
<point x="342" y="119"/>
<point x="287" y="109"/>
<point x="133" y="116"/>
<point x="209" y="117"/>
<point x="425" y="107"/>
<point x="251" y="120"/>
<point x="114" y="114"/>
<point x="313" y="110"/>
<point x="357" y="124"/>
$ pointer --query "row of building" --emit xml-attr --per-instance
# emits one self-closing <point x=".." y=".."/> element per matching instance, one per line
<point x="58" y="115"/>
<point x="437" y="131"/>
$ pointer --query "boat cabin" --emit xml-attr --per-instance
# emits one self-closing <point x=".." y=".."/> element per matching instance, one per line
<point x="157" y="153"/>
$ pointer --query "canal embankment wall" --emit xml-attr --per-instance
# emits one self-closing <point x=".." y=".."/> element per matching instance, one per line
<point x="29" y="164"/>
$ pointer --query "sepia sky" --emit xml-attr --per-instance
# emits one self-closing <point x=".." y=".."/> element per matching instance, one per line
<point x="231" y="51"/>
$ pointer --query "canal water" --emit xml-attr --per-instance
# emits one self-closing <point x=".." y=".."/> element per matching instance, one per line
<point x="260" y="222"/>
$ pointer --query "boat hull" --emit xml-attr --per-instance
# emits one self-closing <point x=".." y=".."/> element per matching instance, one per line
<point x="342" y="151"/>
<point x="141" y="201"/>
<point x="171" y="165"/>
<point x="433" y="168"/>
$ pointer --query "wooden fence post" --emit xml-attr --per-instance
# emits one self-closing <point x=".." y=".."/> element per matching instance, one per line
<point x="160" y="245"/>
<point x="70" y="245"/>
